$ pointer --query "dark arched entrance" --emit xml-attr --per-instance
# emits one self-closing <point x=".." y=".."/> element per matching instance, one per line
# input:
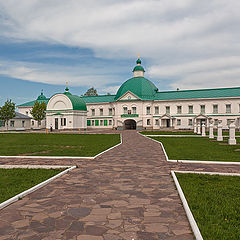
<point x="130" y="124"/>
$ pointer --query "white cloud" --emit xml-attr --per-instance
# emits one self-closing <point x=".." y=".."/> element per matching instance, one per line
<point x="184" y="39"/>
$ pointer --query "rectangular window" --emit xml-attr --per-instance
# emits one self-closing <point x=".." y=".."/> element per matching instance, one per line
<point x="124" y="110"/>
<point x="88" y="122"/>
<point x="228" y="108"/>
<point x="156" y="122"/>
<point x="156" y="110"/>
<point x="101" y="112"/>
<point x="215" y="122"/>
<point x="134" y="110"/>
<point x="190" y="122"/>
<point x="148" y="110"/>
<point x="23" y="123"/>
<point x="202" y="109"/>
<point x="63" y="121"/>
<point x="11" y="123"/>
<point x="179" y="109"/>
<point x="92" y="122"/>
<point x="105" y="122"/>
<point x="2" y="123"/>
<point x="148" y="122"/>
<point x="96" y="122"/>
<point x="178" y="122"/>
<point x="32" y="123"/>
<point x="93" y="112"/>
<point x="110" y="122"/>
<point x="110" y="111"/>
<point x="190" y="109"/>
<point x="215" y="108"/>
<point x="167" y="110"/>
<point x="101" y="122"/>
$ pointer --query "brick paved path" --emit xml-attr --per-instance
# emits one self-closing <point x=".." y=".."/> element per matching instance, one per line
<point x="127" y="193"/>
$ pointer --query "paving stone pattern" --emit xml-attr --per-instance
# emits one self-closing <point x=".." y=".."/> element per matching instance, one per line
<point x="126" y="193"/>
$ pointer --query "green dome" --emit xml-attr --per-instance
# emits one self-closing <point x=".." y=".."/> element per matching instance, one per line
<point x="140" y="86"/>
<point x="138" y="68"/>
<point x="77" y="102"/>
<point x="41" y="97"/>
<point x="139" y="61"/>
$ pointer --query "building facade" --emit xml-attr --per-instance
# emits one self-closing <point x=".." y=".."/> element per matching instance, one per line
<point x="138" y="104"/>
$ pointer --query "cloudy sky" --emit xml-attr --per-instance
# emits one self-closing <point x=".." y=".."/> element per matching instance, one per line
<point x="186" y="44"/>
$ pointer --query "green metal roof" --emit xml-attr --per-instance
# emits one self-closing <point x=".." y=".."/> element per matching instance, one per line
<point x="200" y="93"/>
<point x="77" y="102"/>
<point x="98" y="99"/>
<point x="138" y="68"/>
<point x="30" y="104"/>
<point x="140" y="86"/>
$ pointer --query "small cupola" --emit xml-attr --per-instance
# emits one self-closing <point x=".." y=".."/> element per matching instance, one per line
<point x="41" y="97"/>
<point x="138" y="71"/>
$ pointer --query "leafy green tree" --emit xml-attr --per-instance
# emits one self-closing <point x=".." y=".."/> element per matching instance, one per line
<point x="91" y="92"/>
<point x="7" y="111"/>
<point x="39" y="111"/>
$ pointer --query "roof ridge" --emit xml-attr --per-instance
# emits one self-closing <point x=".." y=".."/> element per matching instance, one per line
<point x="202" y="89"/>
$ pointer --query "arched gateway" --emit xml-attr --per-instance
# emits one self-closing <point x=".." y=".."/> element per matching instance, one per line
<point x="130" y="124"/>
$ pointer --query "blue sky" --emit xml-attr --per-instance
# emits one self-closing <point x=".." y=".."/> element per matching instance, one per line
<point x="186" y="44"/>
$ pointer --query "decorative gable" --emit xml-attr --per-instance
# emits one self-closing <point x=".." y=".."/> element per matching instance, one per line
<point x="128" y="96"/>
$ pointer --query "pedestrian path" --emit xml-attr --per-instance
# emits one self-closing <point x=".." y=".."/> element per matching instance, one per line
<point x="126" y="193"/>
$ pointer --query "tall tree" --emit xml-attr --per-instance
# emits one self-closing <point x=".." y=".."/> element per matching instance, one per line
<point x="39" y="111"/>
<point x="91" y="92"/>
<point x="7" y="111"/>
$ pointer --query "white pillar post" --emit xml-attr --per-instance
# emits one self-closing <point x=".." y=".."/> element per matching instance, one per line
<point x="203" y="130"/>
<point x="198" y="128"/>
<point x="195" y="127"/>
<point x="211" y="135"/>
<point x="232" y="139"/>
<point x="219" y="131"/>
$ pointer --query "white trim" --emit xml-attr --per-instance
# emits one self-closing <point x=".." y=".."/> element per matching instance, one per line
<point x="190" y="217"/>
<point x="109" y="148"/>
<point x="209" y="173"/>
<point x="64" y="157"/>
<point x="224" y="136"/>
<point x="34" y="166"/>
<point x="34" y="188"/>
<point x="191" y="161"/>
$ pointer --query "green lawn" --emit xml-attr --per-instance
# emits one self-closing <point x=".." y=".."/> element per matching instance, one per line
<point x="214" y="202"/>
<point x="202" y="149"/>
<point x="42" y="144"/>
<point x="167" y="133"/>
<point x="15" y="181"/>
<point x="225" y="133"/>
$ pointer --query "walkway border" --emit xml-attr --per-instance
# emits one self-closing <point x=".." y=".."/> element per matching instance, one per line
<point x="65" y="157"/>
<point x="190" y="161"/>
<point x="34" y="188"/>
<point x="190" y="217"/>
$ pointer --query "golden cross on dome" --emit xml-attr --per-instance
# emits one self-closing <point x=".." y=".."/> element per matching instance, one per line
<point x="138" y="55"/>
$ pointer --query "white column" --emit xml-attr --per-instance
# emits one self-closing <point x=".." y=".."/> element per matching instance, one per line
<point x="198" y="128"/>
<point x="211" y="135"/>
<point x="203" y="130"/>
<point x="232" y="139"/>
<point x="195" y="127"/>
<point x="219" y="131"/>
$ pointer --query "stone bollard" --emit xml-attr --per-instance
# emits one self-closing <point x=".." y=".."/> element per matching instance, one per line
<point x="199" y="129"/>
<point x="195" y="127"/>
<point x="232" y="139"/>
<point x="219" y="131"/>
<point x="211" y="135"/>
<point x="203" y="130"/>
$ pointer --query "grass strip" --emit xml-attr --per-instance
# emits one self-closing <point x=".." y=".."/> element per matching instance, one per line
<point x="201" y="149"/>
<point x="214" y="202"/>
<point x="40" y="144"/>
<point x="17" y="180"/>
